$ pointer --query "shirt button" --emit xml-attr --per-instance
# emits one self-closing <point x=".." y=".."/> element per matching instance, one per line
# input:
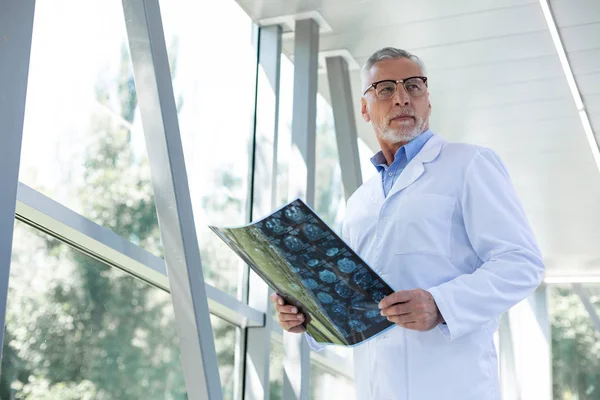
<point x="390" y="174"/>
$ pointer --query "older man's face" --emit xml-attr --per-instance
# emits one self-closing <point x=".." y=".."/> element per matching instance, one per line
<point x="402" y="117"/>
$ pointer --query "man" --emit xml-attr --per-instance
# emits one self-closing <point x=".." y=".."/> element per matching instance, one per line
<point x="441" y="223"/>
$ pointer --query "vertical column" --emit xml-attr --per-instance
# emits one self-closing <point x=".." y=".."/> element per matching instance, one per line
<point x="264" y="168"/>
<point x="16" y="29"/>
<point x="296" y="360"/>
<point x="340" y="91"/>
<point x="509" y="382"/>
<point x="172" y="196"/>
<point x="530" y="333"/>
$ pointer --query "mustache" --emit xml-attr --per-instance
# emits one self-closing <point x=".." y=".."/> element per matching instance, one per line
<point x="405" y="112"/>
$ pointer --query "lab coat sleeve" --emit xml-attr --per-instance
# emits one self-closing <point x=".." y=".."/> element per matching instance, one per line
<point x="500" y="234"/>
<point x="316" y="346"/>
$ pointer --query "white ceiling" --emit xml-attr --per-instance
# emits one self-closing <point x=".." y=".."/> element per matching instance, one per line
<point x="495" y="80"/>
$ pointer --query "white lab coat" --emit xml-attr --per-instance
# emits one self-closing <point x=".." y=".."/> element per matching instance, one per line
<point x="452" y="224"/>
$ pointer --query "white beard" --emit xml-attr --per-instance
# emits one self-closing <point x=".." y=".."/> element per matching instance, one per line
<point x="403" y="134"/>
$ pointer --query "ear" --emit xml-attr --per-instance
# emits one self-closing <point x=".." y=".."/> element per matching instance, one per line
<point x="364" y="110"/>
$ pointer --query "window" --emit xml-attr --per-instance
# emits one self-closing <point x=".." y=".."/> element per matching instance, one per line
<point x="77" y="328"/>
<point x="325" y="384"/>
<point x="276" y="370"/>
<point x="83" y="143"/>
<point x="214" y="83"/>
<point x="330" y="203"/>
<point x="575" y="344"/>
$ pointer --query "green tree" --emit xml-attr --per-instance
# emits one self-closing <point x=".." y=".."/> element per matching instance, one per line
<point x="96" y="332"/>
<point x="575" y="347"/>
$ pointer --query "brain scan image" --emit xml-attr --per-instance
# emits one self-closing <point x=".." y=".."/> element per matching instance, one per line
<point x="377" y="296"/>
<point x="274" y="225"/>
<point x="362" y="279"/>
<point x="310" y="283"/>
<point x="332" y="251"/>
<point x="357" y="326"/>
<point x="325" y="297"/>
<point x="294" y="214"/>
<point x="313" y="232"/>
<point x="327" y="276"/>
<point x="293" y="243"/>
<point x="312" y="262"/>
<point x="346" y="265"/>
<point x="343" y="290"/>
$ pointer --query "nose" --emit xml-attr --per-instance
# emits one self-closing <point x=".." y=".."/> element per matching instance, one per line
<point x="401" y="97"/>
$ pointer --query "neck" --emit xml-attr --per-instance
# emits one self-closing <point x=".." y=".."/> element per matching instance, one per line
<point x="389" y="149"/>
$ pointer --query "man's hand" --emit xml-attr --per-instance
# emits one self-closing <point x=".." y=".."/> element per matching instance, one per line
<point x="289" y="318"/>
<point x="411" y="309"/>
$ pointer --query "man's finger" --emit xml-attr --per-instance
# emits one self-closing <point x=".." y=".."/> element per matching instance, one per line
<point x="401" y="296"/>
<point x="402" y="320"/>
<point x="277" y="299"/>
<point x="286" y="309"/>
<point x="283" y="317"/>
<point x="397" y="309"/>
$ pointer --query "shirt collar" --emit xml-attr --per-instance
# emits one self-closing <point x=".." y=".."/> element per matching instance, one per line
<point x="409" y="150"/>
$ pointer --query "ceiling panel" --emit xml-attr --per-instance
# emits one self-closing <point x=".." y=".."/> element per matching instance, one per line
<point x="585" y="62"/>
<point x="588" y="84"/>
<point x="439" y="32"/>
<point x="374" y="13"/>
<point x="470" y="95"/>
<point x="575" y="12"/>
<point x="581" y="37"/>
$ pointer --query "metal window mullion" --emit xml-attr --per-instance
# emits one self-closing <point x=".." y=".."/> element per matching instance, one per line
<point x="264" y="169"/>
<point x="16" y="31"/>
<point x="340" y="91"/>
<point x="43" y="213"/>
<point x="172" y="196"/>
<point x="587" y="304"/>
<point x="296" y="359"/>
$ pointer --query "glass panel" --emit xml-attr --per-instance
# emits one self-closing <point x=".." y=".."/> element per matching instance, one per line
<point x="215" y="100"/>
<point x="226" y="344"/>
<point x="330" y="203"/>
<point x="276" y="370"/>
<point x="365" y="154"/>
<point x="83" y="143"/>
<point x="575" y="345"/>
<point x="284" y="145"/>
<point x="326" y="385"/>
<point x="78" y="329"/>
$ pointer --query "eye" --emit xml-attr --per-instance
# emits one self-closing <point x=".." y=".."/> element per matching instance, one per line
<point x="413" y="87"/>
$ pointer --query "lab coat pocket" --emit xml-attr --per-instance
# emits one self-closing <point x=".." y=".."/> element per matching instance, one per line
<point x="424" y="224"/>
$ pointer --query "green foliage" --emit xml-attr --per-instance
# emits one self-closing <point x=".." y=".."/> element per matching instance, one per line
<point x="93" y="331"/>
<point x="575" y="347"/>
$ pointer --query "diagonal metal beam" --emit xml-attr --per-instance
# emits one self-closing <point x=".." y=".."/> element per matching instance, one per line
<point x="16" y="30"/>
<point x="171" y="192"/>
<point x="340" y="91"/>
<point x="296" y="360"/>
<point x="587" y="303"/>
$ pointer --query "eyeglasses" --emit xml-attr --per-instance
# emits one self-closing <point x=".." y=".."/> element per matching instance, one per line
<point x="415" y="86"/>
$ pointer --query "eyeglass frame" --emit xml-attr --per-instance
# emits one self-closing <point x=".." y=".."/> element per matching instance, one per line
<point x="374" y="84"/>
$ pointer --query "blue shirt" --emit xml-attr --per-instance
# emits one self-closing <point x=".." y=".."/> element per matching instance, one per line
<point x="389" y="174"/>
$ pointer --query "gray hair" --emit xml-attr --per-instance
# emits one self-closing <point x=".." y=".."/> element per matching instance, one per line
<point x="388" y="53"/>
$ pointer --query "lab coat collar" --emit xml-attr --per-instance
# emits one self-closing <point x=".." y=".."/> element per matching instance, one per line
<point x="411" y="173"/>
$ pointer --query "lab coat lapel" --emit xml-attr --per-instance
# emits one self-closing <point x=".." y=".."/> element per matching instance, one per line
<point x="375" y="189"/>
<point x="415" y="167"/>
